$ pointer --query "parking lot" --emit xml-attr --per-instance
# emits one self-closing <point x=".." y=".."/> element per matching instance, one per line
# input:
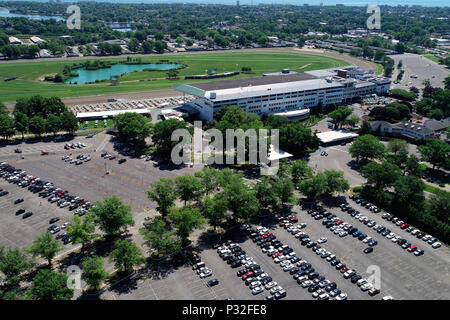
<point x="403" y="275"/>
<point x="18" y="232"/>
<point x="99" y="178"/>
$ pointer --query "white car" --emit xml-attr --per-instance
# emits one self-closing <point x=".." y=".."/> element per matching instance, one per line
<point x="366" y="286"/>
<point x="318" y="293"/>
<point x="254" y="284"/>
<point x="426" y="238"/>
<point x="324" y="283"/>
<point x="64" y="225"/>
<point x="390" y="235"/>
<point x="275" y="289"/>
<point x="367" y="239"/>
<point x="343" y="233"/>
<point x="387" y="298"/>
<point x="414" y="232"/>
<point x="206" y="274"/>
<point x="371" y="224"/>
<point x="306" y="284"/>
<point x="331" y="257"/>
<point x="395" y="239"/>
<point x="279" y="259"/>
<point x="271" y="284"/>
<point x="322" y="240"/>
<point x="257" y="290"/>
<point x="265" y="250"/>
<point x="360" y="282"/>
<point x="302" y="225"/>
<point x="342" y="296"/>
<point x="436" y="245"/>
<point x="288" y="267"/>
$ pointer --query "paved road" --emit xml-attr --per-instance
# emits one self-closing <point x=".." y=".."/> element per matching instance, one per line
<point x="424" y="68"/>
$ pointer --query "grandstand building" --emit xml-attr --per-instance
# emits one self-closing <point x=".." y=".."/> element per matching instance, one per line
<point x="284" y="92"/>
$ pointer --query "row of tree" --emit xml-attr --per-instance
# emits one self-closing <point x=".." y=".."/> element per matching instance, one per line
<point x="37" y="115"/>
<point x="394" y="182"/>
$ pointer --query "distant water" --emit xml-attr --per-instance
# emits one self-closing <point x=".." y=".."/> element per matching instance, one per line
<point x="85" y="76"/>
<point x="424" y="3"/>
<point x="4" y="13"/>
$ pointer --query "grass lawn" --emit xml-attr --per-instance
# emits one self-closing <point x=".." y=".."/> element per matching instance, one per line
<point x="30" y="74"/>
<point x="432" y="57"/>
<point x="434" y="190"/>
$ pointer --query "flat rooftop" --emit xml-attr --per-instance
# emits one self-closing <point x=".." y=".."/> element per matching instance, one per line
<point x="252" y="81"/>
<point x="335" y="135"/>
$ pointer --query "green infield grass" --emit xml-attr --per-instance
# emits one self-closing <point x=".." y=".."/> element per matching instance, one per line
<point x="30" y="75"/>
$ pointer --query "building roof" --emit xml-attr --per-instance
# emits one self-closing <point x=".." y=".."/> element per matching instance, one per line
<point x="277" y="154"/>
<point x="258" y="90"/>
<point x="335" y="135"/>
<point x="105" y="114"/>
<point x="437" y="125"/>
<point x="292" y="113"/>
<point x="253" y="81"/>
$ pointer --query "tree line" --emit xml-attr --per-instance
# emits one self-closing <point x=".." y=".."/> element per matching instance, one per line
<point x="37" y="115"/>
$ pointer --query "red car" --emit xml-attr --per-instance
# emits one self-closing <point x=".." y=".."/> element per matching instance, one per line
<point x="67" y="147"/>
<point x="294" y="219"/>
<point x="247" y="275"/>
<point x="339" y="222"/>
<point x="404" y="226"/>
<point x="267" y="234"/>
<point x="345" y="269"/>
<point x="412" y="248"/>
<point x="276" y="254"/>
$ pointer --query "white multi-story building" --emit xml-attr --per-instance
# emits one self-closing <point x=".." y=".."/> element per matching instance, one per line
<point x="281" y="92"/>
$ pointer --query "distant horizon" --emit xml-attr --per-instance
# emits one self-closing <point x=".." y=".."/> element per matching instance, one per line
<point x="348" y="3"/>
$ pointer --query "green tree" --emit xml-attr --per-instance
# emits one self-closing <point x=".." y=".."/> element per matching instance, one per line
<point x="50" y="285"/>
<point x="314" y="187"/>
<point x="397" y="145"/>
<point x="37" y="126"/>
<point x="214" y="209"/>
<point x="380" y="175"/>
<point x="133" y="45"/>
<point x="82" y="230"/>
<point x="162" y="133"/>
<point x="284" y="190"/>
<point x="132" y="127"/>
<point x="241" y="200"/>
<point x="265" y="193"/>
<point x="409" y="191"/>
<point x="160" y="46"/>
<point x="367" y="147"/>
<point x="340" y="115"/>
<point x="94" y="272"/>
<point x="159" y="237"/>
<point x="439" y="206"/>
<point x="164" y="193"/>
<point x="126" y="256"/>
<point x="436" y="152"/>
<point x="69" y="122"/>
<point x="300" y="170"/>
<point x="21" y="122"/>
<point x="12" y="263"/>
<point x="297" y="139"/>
<point x="412" y="166"/>
<point x="186" y="219"/>
<point x="188" y="188"/>
<point x="208" y="178"/>
<point x="365" y="128"/>
<point x="53" y="124"/>
<point x="112" y="216"/>
<point x="335" y="181"/>
<point x="6" y="126"/>
<point x="44" y="245"/>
